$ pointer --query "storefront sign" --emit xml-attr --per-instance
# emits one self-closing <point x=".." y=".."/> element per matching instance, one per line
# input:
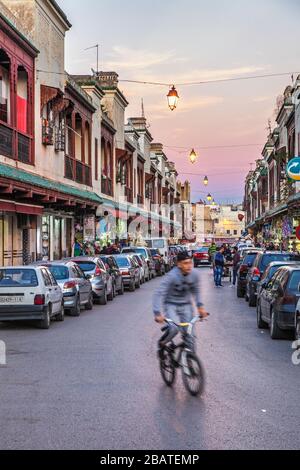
<point x="293" y="169"/>
<point x="89" y="229"/>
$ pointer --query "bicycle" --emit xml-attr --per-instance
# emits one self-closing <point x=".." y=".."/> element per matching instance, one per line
<point x="193" y="375"/>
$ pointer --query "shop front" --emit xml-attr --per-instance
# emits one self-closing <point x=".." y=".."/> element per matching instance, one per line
<point x="19" y="228"/>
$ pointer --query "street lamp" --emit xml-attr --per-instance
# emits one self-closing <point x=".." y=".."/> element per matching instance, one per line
<point x="193" y="156"/>
<point x="173" y="98"/>
<point x="205" y="181"/>
<point x="209" y="197"/>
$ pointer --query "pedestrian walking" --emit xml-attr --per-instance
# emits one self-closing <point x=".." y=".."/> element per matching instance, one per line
<point x="236" y="261"/>
<point x="219" y="262"/>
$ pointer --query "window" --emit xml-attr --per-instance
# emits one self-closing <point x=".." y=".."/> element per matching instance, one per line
<point x="4" y="87"/>
<point x="59" y="272"/>
<point x="22" y="100"/>
<point x="18" y="278"/>
<point x="228" y="232"/>
<point x="96" y="160"/>
<point x="46" y="278"/>
<point x="235" y="232"/>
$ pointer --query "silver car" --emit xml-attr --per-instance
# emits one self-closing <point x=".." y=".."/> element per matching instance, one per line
<point x="76" y="288"/>
<point x="101" y="280"/>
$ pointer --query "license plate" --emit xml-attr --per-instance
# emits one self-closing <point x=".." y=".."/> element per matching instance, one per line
<point x="11" y="300"/>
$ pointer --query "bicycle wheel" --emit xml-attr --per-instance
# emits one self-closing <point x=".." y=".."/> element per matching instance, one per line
<point x="193" y="376"/>
<point x="167" y="369"/>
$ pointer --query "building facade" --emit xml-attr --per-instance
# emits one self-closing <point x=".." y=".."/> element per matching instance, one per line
<point x="70" y="166"/>
<point x="271" y="198"/>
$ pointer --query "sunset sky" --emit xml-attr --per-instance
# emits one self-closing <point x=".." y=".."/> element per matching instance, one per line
<point x="178" y="41"/>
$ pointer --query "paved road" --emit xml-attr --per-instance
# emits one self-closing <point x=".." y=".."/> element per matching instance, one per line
<point x="93" y="382"/>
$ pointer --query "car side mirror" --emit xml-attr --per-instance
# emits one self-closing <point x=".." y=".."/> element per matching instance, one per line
<point x="88" y="277"/>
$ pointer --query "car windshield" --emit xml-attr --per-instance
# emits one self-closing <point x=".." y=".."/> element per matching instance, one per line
<point x="267" y="259"/>
<point x="122" y="262"/>
<point x="59" y="272"/>
<point x="249" y="259"/>
<point x="154" y="252"/>
<point x="140" y="251"/>
<point x="294" y="281"/>
<point x="18" y="278"/>
<point x="158" y="243"/>
<point x="201" y="250"/>
<point x="86" y="266"/>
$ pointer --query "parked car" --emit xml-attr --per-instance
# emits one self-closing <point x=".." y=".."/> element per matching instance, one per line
<point x="173" y="252"/>
<point x="260" y="264"/>
<point x="245" y="264"/>
<point x="137" y="260"/>
<point x="147" y="255"/>
<point x="297" y="320"/>
<point x="129" y="271"/>
<point x="113" y="268"/>
<point x="278" y="301"/>
<point x="144" y="269"/>
<point x="201" y="257"/>
<point x="76" y="288"/>
<point x="159" y="263"/>
<point x="269" y="273"/>
<point x="101" y="280"/>
<point x="161" y="244"/>
<point x="30" y="293"/>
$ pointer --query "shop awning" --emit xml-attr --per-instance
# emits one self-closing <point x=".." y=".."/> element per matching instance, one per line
<point x="9" y="206"/>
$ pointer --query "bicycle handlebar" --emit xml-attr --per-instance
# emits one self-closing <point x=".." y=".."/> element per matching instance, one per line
<point x="192" y="322"/>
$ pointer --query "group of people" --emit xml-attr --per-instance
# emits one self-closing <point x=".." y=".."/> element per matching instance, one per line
<point x="94" y="248"/>
<point x="219" y="257"/>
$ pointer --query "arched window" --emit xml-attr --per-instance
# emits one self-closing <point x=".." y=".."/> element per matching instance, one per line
<point x="78" y="137"/>
<point x="5" y="105"/>
<point x="22" y="100"/>
<point x="103" y="158"/>
<point x="109" y="159"/>
<point x="87" y="146"/>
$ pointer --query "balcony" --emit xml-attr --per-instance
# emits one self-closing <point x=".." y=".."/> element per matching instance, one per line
<point x="140" y="199"/>
<point x="106" y="186"/>
<point x="77" y="171"/>
<point x="24" y="148"/>
<point x="129" y="194"/>
<point x="6" y="141"/>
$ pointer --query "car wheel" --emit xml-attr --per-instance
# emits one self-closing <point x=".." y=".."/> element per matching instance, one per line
<point x="61" y="315"/>
<point x="132" y="287"/>
<point x="76" y="310"/>
<point x="90" y="304"/>
<point x="111" y="296"/>
<point x="121" y="291"/>
<point x="45" y="323"/>
<point x="103" y="299"/>
<point x="138" y="284"/>
<point x="252" y="299"/>
<point x="297" y="326"/>
<point x="262" y="325"/>
<point x="275" y="331"/>
<point x="239" y="292"/>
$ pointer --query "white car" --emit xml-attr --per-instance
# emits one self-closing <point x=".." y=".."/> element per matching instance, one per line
<point x="30" y="293"/>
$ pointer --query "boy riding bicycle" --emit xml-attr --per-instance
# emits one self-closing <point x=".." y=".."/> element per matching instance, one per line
<point x="174" y="298"/>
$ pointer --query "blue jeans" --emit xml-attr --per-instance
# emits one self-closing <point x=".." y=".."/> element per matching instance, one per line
<point x="218" y="275"/>
<point x="234" y="272"/>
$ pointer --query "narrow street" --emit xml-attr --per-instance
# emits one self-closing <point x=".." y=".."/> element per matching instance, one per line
<point x="94" y="382"/>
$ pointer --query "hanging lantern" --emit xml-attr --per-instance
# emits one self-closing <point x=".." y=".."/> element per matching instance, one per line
<point x="209" y="197"/>
<point x="173" y="98"/>
<point x="193" y="156"/>
<point x="205" y="181"/>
